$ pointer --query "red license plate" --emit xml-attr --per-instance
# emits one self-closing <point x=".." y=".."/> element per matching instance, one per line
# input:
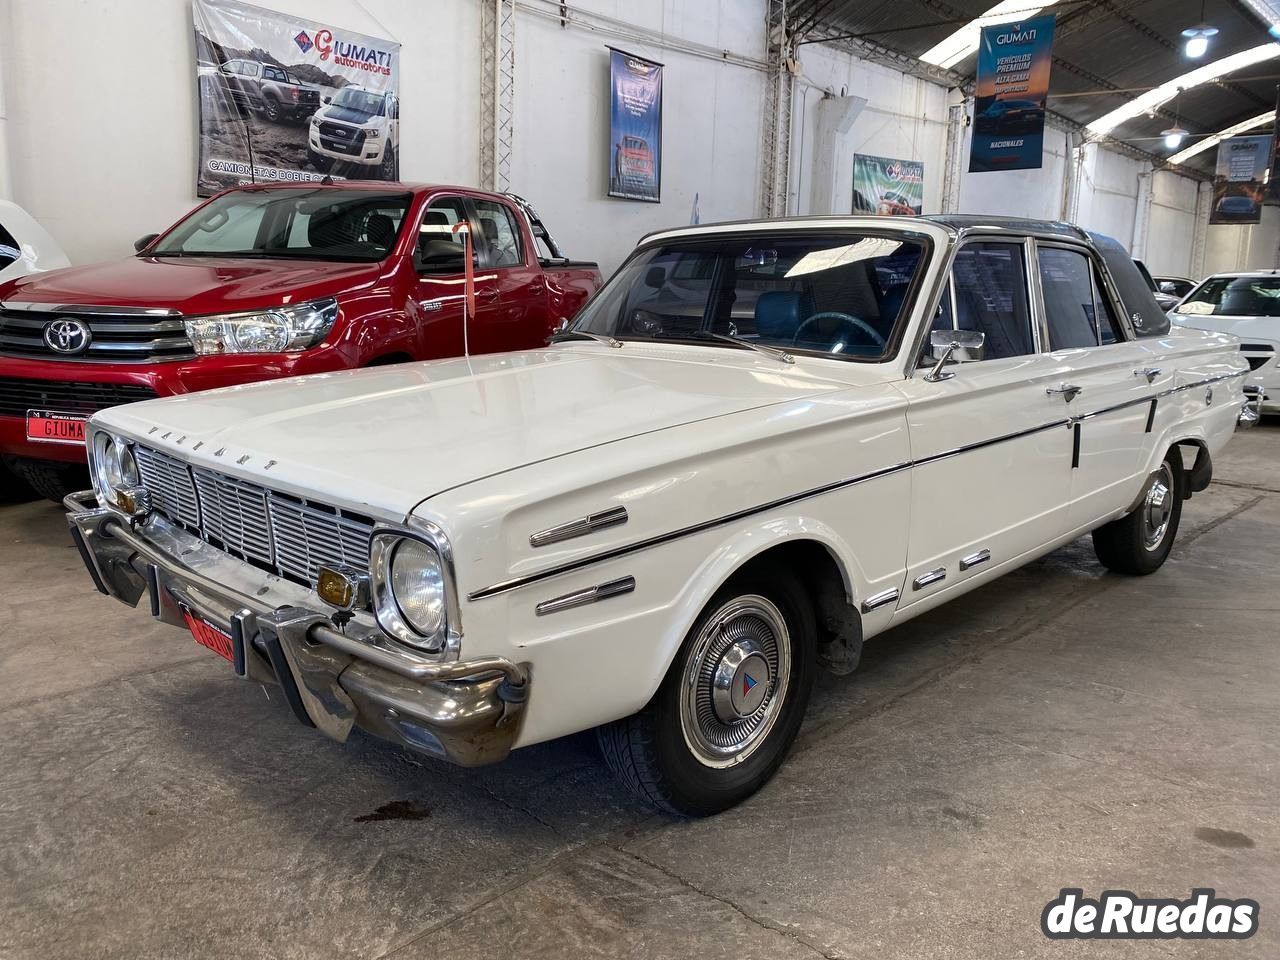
<point x="49" y="426"/>
<point x="207" y="635"/>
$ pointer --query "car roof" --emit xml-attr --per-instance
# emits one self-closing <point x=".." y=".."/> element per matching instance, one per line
<point x="952" y="222"/>
<point x="377" y="186"/>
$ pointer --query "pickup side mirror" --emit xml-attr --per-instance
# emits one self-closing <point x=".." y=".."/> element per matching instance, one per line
<point x="443" y="257"/>
<point x="143" y="242"/>
<point x="958" y="345"/>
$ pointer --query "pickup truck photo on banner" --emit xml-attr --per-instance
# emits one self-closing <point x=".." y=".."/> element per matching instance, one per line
<point x="286" y="99"/>
<point x="1009" y="98"/>
<point x="635" y="127"/>
<point x="1240" y="179"/>
<point x="887" y="187"/>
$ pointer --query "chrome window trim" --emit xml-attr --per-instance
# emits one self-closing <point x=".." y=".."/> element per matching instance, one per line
<point x="385" y="608"/>
<point x="98" y="309"/>
<point x="1108" y="292"/>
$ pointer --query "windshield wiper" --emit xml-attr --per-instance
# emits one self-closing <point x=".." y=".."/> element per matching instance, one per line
<point x="743" y="341"/>
<point x="584" y="335"/>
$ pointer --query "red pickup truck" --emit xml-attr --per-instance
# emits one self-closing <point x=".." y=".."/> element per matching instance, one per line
<point x="272" y="281"/>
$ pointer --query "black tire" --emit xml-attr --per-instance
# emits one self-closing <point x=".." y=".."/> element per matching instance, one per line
<point x="650" y="751"/>
<point x="1139" y="542"/>
<point x="387" y="169"/>
<point x="49" y="479"/>
<point x="270" y="108"/>
<point x="12" y="488"/>
<point x="321" y="163"/>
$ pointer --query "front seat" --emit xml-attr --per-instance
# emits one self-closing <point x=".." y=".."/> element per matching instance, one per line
<point x="331" y="228"/>
<point x="778" y="315"/>
<point x="380" y="230"/>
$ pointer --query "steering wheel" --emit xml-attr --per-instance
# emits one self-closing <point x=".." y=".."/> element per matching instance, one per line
<point x="845" y="320"/>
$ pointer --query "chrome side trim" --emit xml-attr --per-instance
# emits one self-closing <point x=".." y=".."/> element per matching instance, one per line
<point x="927" y="579"/>
<point x="879" y="599"/>
<point x="613" y="517"/>
<point x="973" y="559"/>
<point x="581" y="598"/>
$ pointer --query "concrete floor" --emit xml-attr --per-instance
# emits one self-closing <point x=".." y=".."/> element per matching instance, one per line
<point x="1062" y="727"/>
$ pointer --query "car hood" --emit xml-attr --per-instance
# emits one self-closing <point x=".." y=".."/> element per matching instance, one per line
<point x="193" y="285"/>
<point x="1253" y="329"/>
<point x="385" y="439"/>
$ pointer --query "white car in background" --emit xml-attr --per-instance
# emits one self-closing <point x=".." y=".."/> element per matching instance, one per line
<point x="356" y="131"/>
<point x="25" y="246"/>
<point x="1245" y="305"/>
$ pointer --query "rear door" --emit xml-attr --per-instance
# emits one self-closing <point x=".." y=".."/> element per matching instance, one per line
<point x="991" y="447"/>
<point x="519" y="318"/>
<point x="1110" y="379"/>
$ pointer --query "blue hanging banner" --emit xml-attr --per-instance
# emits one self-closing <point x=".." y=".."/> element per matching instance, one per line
<point x="1010" y="94"/>
<point x="635" y="127"/>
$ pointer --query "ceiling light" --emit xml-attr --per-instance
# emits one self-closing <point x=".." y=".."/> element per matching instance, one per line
<point x="1197" y="38"/>
<point x="964" y="42"/>
<point x="1152" y="99"/>
<point x="1207" y="142"/>
<point x="1174" y="136"/>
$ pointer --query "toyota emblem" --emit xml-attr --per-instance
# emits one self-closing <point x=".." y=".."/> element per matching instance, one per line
<point x="67" y="335"/>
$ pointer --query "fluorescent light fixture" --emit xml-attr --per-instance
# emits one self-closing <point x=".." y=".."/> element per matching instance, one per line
<point x="1221" y="135"/>
<point x="1152" y="99"/>
<point x="964" y="41"/>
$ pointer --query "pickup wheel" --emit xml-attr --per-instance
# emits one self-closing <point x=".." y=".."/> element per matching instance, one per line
<point x="387" y="169"/>
<point x="271" y="109"/>
<point x="53" y="481"/>
<point x="1139" y="542"/>
<point x="321" y="163"/>
<point x="731" y="704"/>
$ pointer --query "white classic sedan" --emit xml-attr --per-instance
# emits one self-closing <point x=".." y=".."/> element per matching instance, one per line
<point x="759" y="445"/>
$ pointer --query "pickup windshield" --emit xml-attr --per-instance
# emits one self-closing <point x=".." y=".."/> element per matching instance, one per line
<point x="361" y="101"/>
<point x="354" y="226"/>
<point x="842" y="295"/>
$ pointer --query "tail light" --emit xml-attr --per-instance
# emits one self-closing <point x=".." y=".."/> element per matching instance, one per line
<point x="294" y="93"/>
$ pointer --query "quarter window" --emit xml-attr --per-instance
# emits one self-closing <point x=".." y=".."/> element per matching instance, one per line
<point x="988" y="293"/>
<point x="1076" y="310"/>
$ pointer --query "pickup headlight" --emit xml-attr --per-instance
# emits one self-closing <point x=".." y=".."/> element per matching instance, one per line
<point x="372" y="133"/>
<point x="280" y="330"/>
<point x="412" y="589"/>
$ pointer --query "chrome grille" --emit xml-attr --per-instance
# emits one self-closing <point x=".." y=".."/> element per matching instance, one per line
<point x="287" y="535"/>
<point x="118" y="334"/>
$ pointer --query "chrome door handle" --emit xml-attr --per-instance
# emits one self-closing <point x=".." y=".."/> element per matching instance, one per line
<point x="1149" y="372"/>
<point x="1068" y="391"/>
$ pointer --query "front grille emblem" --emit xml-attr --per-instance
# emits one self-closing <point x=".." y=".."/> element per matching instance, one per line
<point x="67" y="335"/>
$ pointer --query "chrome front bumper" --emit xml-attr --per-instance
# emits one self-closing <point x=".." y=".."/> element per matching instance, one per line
<point x="1251" y="409"/>
<point x="466" y="711"/>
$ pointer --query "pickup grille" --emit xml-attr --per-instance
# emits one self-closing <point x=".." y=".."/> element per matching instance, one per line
<point x="274" y="531"/>
<point x="340" y="137"/>
<point x="17" y="396"/>
<point x="123" y="336"/>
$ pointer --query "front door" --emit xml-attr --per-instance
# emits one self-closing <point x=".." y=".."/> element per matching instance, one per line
<point x="991" y="447"/>
<point x="519" y="317"/>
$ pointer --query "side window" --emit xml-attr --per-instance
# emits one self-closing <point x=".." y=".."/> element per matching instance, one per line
<point x="274" y="73"/>
<point x="249" y="69"/>
<point x="1076" y="310"/>
<point x="501" y="233"/>
<point x="440" y="250"/>
<point x="988" y="292"/>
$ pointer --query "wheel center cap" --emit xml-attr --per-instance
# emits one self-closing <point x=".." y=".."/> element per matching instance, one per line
<point x="741" y="681"/>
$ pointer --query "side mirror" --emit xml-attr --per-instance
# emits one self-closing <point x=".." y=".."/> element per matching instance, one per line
<point x="443" y="257"/>
<point x="143" y="242"/>
<point x="958" y="345"/>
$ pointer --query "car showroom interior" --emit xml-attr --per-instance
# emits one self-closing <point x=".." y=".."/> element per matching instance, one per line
<point x="651" y="479"/>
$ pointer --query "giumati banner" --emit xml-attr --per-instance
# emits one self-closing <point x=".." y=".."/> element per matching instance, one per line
<point x="286" y="99"/>
<point x="887" y="187"/>
<point x="635" y="127"/>
<point x="1240" y="180"/>
<point x="1009" y="98"/>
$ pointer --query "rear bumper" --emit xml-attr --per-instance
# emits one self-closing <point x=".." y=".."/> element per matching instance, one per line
<point x="468" y="712"/>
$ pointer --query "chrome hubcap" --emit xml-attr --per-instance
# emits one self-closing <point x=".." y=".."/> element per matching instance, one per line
<point x="1157" y="508"/>
<point x="735" y="681"/>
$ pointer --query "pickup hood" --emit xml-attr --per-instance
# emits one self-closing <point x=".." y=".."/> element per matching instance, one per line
<point x="385" y="439"/>
<point x="193" y="285"/>
<point x="1251" y="329"/>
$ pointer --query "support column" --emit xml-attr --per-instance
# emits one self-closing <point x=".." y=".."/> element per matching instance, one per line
<point x="497" y="91"/>
<point x="1142" y="216"/>
<point x="775" y="131"/>
<point x="1200" y="229"/>
<point x="1071" y="182"/>
<point x="6" y="173"/>
<point x="957" y="129"/>
<point x="834" y="121"/>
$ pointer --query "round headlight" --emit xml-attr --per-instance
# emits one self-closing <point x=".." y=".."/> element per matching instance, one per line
<point x="128" y="466"/>
<point x="106" y="464"/>
<point x="417" y="586"/>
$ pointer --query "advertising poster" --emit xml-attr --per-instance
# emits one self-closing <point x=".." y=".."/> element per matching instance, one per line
<point x="286" y="99"/>
<point x="1009" y="98"/>
<point x="1240" y="180"/>
<point x="635" y="127"/>
<point x="887" y="187"/>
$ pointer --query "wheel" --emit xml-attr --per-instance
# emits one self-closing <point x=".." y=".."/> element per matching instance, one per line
<point x="12" y="489"/>
<point x="731" y="704"/>
<point x="51" y="480"/>
<point x="270" y="107"/>
<point x="321" y="163"/>
<point x="1139" y="542"/>
<point x="387" y="169"/>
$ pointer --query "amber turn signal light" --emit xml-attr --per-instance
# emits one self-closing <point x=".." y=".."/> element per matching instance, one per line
<point x="343" y="587"/>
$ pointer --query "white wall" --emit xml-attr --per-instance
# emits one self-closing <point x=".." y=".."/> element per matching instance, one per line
<point x="1232" y="246"/>
<point x="711" y="123"/>
<point x="1018" y="193"/>
<point x="1173" y="224"/>
<point x="905" y="118"/>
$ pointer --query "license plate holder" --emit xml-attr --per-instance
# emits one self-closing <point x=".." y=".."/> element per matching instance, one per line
<point x="211" y="637"/>
<point x="53" y="426"/>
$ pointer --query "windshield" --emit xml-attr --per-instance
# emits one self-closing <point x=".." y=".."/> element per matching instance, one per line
<point x="835" y="294"/>
<point x="360" y="100"/>
<point x="1235" y="297"/>
<point x="288" y="223"/>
